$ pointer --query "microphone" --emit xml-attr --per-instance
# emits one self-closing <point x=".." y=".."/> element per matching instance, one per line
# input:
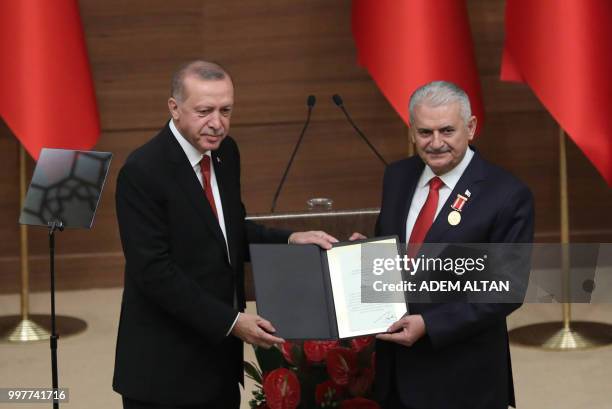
<point x="338" y="101"/>
<point x="310" y="102"/>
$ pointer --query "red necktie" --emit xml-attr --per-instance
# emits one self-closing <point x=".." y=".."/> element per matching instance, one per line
<point x="426" y="217"/>
<point x="205" y="169"/>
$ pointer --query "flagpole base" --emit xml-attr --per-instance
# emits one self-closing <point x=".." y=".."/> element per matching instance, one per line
<point x="553" y="336"/>
<point x="37" y="327"/>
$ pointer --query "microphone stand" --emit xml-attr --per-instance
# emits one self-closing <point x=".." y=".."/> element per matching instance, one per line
<point x="338" y="101"/>
<point x="53" y="227"/>
<point x="310" y="102"/>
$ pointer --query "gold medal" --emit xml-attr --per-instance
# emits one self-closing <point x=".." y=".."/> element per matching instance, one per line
<point x="454" y="218"/>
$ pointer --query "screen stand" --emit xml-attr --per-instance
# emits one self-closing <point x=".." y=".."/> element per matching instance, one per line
<point x="55" y="225"/>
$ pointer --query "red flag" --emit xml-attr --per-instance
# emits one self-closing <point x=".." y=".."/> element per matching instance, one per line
<point x="46" y="91"/>
<point x="406" y="44"/>
<point x="563" y="51"/>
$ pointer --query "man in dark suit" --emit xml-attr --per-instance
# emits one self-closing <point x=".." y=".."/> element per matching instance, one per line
<point x="185" y="238"/>
<point x="449" y="355"/>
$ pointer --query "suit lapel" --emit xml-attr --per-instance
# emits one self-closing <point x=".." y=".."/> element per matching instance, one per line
<point x="222" y="183"/>
<point x="470" y="180"/>
<point x="187" y="180"/>
<point x="407" y="188"/>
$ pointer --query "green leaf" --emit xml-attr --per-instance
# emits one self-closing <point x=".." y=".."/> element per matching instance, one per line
<point x="364" y="357"/>
<point x="268" y="359"/>
<point x="297" y="352"/>
<point x="252" y="372"/>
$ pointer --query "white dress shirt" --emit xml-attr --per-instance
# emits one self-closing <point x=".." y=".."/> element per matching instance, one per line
<point x="194" y="156"/>
<point x="450" y="179"/>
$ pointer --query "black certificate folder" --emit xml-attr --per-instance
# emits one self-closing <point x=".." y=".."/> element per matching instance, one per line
<point x="311" y="293"/>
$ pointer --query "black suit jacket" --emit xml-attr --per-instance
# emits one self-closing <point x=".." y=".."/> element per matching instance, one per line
<point x="464" y="360"/>
<point x="178" y="300"/>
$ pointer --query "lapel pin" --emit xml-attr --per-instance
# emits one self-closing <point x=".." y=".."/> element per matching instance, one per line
<point x="218" y="159"/>
<point x="468" y="193"/>
<point x="454" y="217"/>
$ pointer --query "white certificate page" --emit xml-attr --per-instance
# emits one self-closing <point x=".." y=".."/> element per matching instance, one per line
<point x="354" y="317"/>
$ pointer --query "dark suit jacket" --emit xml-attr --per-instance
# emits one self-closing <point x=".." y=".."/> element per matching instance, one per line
<point x="464" y="360"/>
<point x="178" y="300"/>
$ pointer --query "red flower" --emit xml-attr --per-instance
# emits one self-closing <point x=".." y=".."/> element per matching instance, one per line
<point x="328" y="388"/>
<point x="359" y="403"/>
<point x="286" y="349"/>
<point x="341" y="365"/>
<point x="282" y="389"/>
<point x="316" y="351"/>
<point x="361" y="382"/>
<point x="361" y="343"/>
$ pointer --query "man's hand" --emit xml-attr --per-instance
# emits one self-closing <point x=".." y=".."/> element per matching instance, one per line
<point x="254" y="330"/>
<point x="357" y="236"/>
<point x="406" y="331"/>
<point x="319" y="238"/>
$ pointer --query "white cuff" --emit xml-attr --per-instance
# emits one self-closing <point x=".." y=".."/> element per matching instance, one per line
<point x="233" y="325"/>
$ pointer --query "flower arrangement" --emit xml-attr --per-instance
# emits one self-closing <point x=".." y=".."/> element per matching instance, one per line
<point x="314" y="374"/>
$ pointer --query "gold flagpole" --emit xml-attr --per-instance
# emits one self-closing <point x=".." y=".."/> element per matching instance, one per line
<point x="565" y="237"/>
<point x="23" y="241"/>
<point x="28" y="327"/>
<point x="565" y="335"/>
<point x="20" y="328"/>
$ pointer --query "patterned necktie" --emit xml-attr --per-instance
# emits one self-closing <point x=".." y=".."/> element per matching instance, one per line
<point x="426" y="217"/>
<point x="205" y="169"/>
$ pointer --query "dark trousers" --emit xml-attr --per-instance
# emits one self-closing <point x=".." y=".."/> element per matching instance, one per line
<point x="229" y="399"/>
<point x="392" y="400"/>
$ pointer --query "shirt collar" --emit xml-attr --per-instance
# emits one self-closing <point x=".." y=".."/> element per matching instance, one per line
<point x="193" y="155"/>
<point x="451" y="177"/>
